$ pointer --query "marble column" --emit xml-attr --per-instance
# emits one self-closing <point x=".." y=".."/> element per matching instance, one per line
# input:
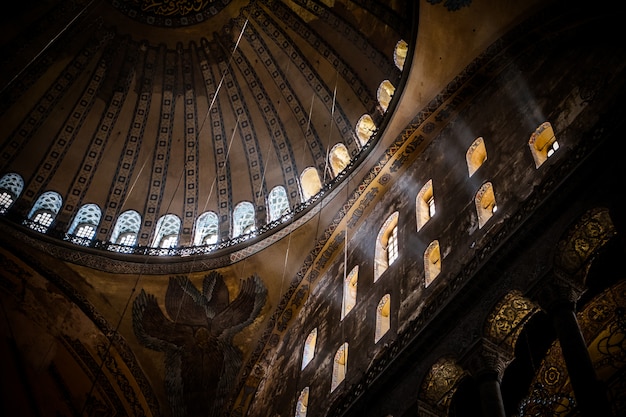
<point x="559" y="300"/>
<point x="487" y="362"/>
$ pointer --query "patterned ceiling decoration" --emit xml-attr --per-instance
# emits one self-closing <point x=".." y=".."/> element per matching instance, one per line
<point x="170" y="13"/>
<point x="441" y="383"/>
<point x="452" y="5"/>
<point x="583" y="241"/>
<point x="507" y="320"/>
<point x="194" y="121"/>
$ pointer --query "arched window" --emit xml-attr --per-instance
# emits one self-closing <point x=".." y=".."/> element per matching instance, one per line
<point x="303" y="403"/>
<point x="278" y="202"/>
<point x="476" y="155"/>
<point x="85" y="222"/>
<point x="383" y="322"/>
<point x="399" y="54"/>
<point x="340" y="366"/>
<point x="425" y="204"/>
<point x="44" y="211"/>
<point x="243" y="219"/>
<point x="11" y="186"/>
<point x="365" y="128"/>
<point x="339" y="158"/>
<point x="206" y="229"/>
<point x="349" y="291"/>
<point x="308" y="351"/>
<point x="386" y="246"/>
<point x="485" y="201"/>
<point x="126" y="228"/>
<point x="543" y="143"/>
<point x="385" y="93"/>
<point x="432" y="262"/>
<point x="167" y="230"/>
<point x="310" y="183"/>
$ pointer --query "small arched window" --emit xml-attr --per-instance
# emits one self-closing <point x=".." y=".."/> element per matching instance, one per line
<point x="310" y="183"/>
<point x="85" y="223"/>
<point x="543" y="143"/>
<point x="167" y="230"/>
<point x="425" y="204"/>
<point x="399" y="54"/>
<point x="385" y="93"/>
<point x="340" y="366"/>
<point x="485" y="201"/>
<point x="339" y="158"/>
<point x="206" y="229"/>
<point x="349" y="291"/>
<point x="308" y="352"/>
<point x="126" y="228"/>
<point x="278" y="203"/>
<point x="365" y="128"/>
<point x="243" y="219"/>
<point x="303" y="403"/>
<point x="476" y="155"/>
<point x="386" y="251"/>
<point x="45" y="210"/>
<point x="383" y="323"/>
<point x="432" y="262"/>
<point x="11" y="186"/>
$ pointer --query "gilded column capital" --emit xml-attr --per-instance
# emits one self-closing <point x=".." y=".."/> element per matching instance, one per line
<point x="559" y="289"/>
<point x="485" y="359"/>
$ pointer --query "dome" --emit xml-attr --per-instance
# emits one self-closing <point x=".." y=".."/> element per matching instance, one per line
<point x="157" y="116"/>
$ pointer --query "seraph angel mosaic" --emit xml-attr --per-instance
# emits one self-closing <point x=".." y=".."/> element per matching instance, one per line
<point x="201" y="362"/>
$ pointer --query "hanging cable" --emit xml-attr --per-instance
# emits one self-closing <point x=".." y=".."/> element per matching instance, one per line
<point x="345" y="274"/>
<point x="132" y="187"/>
<point x="269" y="144"/>
<point x="330" y="128"/>
<point x="117" y="326"/>
<point x="152" y="234"/>
<point x="305" y="305"/>
<point x="220" y="170"/>
<point x="219" y="85"/>
<point x="49" y="44"/>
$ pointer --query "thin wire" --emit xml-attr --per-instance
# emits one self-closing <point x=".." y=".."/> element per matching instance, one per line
<point x="139" y="276"/>
<point x="130" y="296"/>
<point x="345" y="268"/>
<point x="330" y="128"/>
<point x="317" y="226"/>
<point x="206" y="116"/>
<point x="269" y="145"/>
<point x="306" y="132"/>
<point x="134" y="183"/>
<point x="45" y="48"/>
<point x="220" y="170"/>
<point x="193" y="260"/>
<point x="219" y="85"/>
